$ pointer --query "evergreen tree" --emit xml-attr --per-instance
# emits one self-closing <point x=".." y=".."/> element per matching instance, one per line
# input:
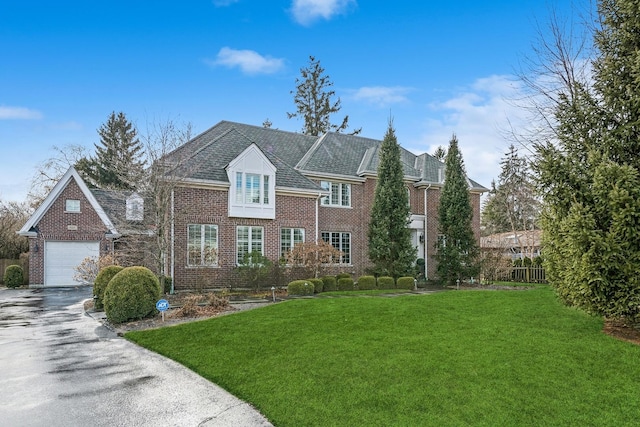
<point x="117" y="163"/>
<point x="512" y="204"/>
<point x="314" y="101"/>
<point x="457" y="249"/>
<point x="390" y="247"/>
<point x="589" y="177"/>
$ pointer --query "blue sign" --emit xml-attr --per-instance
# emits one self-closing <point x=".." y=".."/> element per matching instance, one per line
<point x="162" y="305"/>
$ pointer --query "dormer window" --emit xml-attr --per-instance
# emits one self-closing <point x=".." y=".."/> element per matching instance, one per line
<point x="135" y="208"/>
<point x="252" y="191"/>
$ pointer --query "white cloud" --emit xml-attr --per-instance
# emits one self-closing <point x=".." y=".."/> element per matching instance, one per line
<point x="18" y="113"/>
<point x="249" y="61"/>
<point x="381" y="95"/>
<point x="480" y="116"/>
<point x="223" y="3"/>
<point x="306" y="12"/>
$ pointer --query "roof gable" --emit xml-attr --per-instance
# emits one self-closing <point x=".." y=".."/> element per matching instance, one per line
<point x="53" y="195"/>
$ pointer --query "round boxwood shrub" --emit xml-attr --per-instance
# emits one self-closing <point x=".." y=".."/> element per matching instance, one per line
<point x="131" y="294"/>
<point x="345" y="284"/>
<point x="386" y="282"/>
<point x="318" y="285"/>
<point x="101" y="282"/>
<point x="300" y="287"/>
<point x="405" y="283"/>
<point x="366" y="283"/>
<point x="329" y="283"/>
<point x="13" y="276"/>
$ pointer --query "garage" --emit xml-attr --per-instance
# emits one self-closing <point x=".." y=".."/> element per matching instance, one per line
<point x="61" y="259"/>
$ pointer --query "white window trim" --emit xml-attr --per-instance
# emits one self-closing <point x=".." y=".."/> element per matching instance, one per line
<point x="341" y="233"/>
<point x="292" y="234"/>
<point x="66" y="206"/>
<point x="202" y="246"/>
<point x="329" y="201"/>
<point x="250" y="240"/>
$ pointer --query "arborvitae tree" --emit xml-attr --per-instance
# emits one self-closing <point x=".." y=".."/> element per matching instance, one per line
<point x="390" y="247"/>
<point x="589" y="176"/>
<point x="117" y="163"/>
<point x="457" y="249"/>
<point x="314" y="101"/>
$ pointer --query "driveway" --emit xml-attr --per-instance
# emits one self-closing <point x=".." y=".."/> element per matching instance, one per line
<point x="59" y="367"/>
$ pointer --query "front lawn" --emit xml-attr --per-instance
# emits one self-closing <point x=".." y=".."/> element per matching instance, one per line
<point x="492" y="358"/>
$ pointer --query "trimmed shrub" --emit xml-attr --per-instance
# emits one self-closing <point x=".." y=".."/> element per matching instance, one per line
<point x="300" y="287"/>
<point x="366" y="283"/>
<point x="346" y="284"/>
<point x="100" y="284"/>
<point x="131" y="294"/>
<point x="318" y="285"/>
<point x="343" y="276"/>
<point x="405" y="283"/>
<point x="329" y="283"/>
<point x="386" y="282"/>
<point x="13" y="276"/>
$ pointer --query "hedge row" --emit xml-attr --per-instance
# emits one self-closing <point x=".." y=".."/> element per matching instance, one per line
<point x="344" y="282"/>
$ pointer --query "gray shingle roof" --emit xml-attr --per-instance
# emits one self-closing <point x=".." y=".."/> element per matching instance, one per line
<point x="114" y="204"/>
<point x="296" y="155"/>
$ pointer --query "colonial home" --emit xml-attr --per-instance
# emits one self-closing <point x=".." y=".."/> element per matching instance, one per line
<point x="240" y="188"/>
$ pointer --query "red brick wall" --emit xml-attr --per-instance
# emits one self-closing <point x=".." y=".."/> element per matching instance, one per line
<point x="205" y="206"/>
<point x="55" y="224"/>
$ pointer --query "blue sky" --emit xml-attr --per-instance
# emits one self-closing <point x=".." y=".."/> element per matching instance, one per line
<point x="436" y="67"/>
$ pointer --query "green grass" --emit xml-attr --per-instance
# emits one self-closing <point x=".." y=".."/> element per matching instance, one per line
<point x="496" y="358"/>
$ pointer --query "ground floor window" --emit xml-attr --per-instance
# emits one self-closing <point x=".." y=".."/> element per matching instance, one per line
<point x="340" y="241"/>
<point x="289" y="237"/>
<point x="248" y="239"/>
<point x="202" y="244"/>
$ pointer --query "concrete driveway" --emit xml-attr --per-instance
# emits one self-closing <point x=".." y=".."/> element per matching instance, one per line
<point x="59" y="367"/>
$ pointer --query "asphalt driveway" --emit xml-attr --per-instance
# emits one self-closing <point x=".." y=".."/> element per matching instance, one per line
<point x="59" y="367"/>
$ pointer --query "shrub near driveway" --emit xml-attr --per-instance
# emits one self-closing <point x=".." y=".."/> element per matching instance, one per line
<point x="131" y="294"/>
<point x="510" y="358"/>
<point x="100" y="284"/>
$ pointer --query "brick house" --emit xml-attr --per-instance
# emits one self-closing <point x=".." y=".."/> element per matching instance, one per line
<point x="242" y="188"/>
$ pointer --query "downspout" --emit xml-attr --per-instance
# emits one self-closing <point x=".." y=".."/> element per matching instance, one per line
<point x="426" y="216"/>
<point x="173" y="281"/>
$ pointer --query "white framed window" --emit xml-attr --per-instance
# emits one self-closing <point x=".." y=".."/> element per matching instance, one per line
<point x="340" y="241"/>
<point x="72" y="205"/>
<point x="135" y="208"/>
<point x="289" y="237"/>
<point x="339" y="194"/>
<point x="252" y="188"/>
<point x="202" y="245"/>
<point x="248" y="239"/>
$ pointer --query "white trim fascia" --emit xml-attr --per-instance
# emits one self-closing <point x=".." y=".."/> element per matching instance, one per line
<point x="331" y="176"/>
<point x="55" y="193"/>
<point x="203" y="183"/>
<point x="290" y="191"/>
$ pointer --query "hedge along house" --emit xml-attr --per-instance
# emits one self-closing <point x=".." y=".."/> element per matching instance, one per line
<point x="239" y="188"/>
<point x="74" y="223"/>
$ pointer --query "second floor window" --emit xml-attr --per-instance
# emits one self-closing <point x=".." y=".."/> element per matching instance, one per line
<point x="252" y="188"/>
<point x="339" y="193"/>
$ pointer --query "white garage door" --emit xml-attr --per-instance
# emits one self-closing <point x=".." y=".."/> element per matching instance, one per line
<point x="61" y="259"/>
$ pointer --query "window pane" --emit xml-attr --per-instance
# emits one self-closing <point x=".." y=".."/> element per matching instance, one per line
<point x="252" y="188"/>
<point x="72" y="205"/>
<point x="346" y="248"/>
<point x="210" y="247"/>
<point x="346" y="195"/>
<point x="265" y="189"/>
<point x="298" y="235"/>
<point x="194" y="237"/>
<point x="325" y="186"/>
<point x="285" y="241"/>
<point x="238" y="187"/>
<point x="256" y="239"/>
<point x="335" y="193"/>
<point x="242" y="245"/>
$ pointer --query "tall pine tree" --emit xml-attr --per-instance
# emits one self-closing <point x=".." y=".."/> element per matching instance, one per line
<point x="390" y="248"/>
<point x="314" y="101"/>
<point x="590" y="177"/>
<point x="457" y="249"/>
<point x="117" y="163"/>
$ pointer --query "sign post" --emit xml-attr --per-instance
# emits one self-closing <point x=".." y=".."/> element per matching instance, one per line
<point x="162" y="306"/>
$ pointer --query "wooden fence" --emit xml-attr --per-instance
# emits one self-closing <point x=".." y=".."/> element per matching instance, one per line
<point x="526" y="275"/>
<point x="24" y="263"/>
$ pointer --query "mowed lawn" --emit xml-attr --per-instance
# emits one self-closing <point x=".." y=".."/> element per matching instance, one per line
<point x="493" y="358"/>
